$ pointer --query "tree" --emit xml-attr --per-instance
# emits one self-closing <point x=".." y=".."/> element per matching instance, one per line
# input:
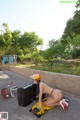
<point x="56" y="50"/>
<point x="6" y="36"/>
<point x="75" y="46"/>
<point x="72" y="26"/>
<point x="71" y="35"/>
<point x="16" y="34"/>
<point x="13" y="42"/>
<point x="2" y="43"/>
<point x="78" y="4"/>
<point x="30" y="41"/>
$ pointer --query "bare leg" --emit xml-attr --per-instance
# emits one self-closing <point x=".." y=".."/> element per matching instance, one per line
<point x="52" y="102"/>
<point x="55" y="98"/>
<point x="56" y="102"/>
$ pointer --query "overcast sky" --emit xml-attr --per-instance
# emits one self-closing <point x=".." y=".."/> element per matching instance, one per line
<point x="45" y="17"/>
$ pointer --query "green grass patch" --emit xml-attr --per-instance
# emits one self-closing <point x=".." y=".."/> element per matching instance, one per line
<point x="57" y="66"/>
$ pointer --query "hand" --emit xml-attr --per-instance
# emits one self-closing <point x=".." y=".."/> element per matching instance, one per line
<point x="37" y="96"/>
<point x="39" y="107"/>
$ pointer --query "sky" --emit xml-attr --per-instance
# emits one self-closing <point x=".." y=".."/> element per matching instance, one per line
<point x="47" y="18"/>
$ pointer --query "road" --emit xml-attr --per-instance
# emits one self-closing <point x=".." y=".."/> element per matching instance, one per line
<point x="16" y="112"/>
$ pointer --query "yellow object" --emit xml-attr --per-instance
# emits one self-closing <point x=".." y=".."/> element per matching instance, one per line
<point x="36" y="77"/>
<point x="43" y="106"/>
<point x="41" y="111"/>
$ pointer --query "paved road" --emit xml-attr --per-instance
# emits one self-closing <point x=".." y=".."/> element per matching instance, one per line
<point x="17" y="112"/>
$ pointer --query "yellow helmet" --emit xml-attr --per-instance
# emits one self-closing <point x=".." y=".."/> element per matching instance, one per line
<point x="36" y="77"/>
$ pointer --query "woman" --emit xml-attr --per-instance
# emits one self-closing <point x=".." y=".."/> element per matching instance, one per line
<point x="56" y="96"/>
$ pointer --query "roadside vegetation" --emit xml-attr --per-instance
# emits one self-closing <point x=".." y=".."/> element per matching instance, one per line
<point x="59" y="66"/>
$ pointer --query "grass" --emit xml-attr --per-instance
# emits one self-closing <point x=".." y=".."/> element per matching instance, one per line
<point x="59" y="67"/>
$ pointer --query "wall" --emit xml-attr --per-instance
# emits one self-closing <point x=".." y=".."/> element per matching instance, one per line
<point x="68" y="83"/>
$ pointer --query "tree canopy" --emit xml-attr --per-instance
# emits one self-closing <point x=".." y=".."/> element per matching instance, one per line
<point x="16" y="43"/>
